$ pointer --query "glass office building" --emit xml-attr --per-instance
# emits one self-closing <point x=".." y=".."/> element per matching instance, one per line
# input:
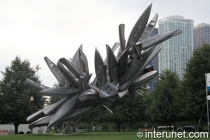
<point x="201" y="35"/>
<point x="177" y="50"/>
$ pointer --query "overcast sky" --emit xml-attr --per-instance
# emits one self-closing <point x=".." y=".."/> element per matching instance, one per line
<point x="33" y="29"/>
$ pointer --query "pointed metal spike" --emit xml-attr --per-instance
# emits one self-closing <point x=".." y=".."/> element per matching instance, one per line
<point x="102" y="76"/>
<point x="80" y="48"/>
<point x="52" y="108"/>
<point x="44" y="121"/>
<point x="143" y="80"/>
<point x="149" y="29"/>
<point x="157" y="39"/>
<point x="112" y="65"/>
<point x="85" y="63"/>
<point x="139" y="27"/>
<point x="71" y="67"/>
<point x="123" y="62"/>
<point x="67" y="74"/>
<point x="64" y="110"/>
<point x="98" y="60"/>
<point x="80" y="62"/>
<point x="36" y="115"/>
<point x="59" y="92"/>
<point x="34" y="84"/>
<point x="114" y="48"/>
<point x="122" y="36"/>
<point x="40" y="122"/>
<point x="56" y="72"/>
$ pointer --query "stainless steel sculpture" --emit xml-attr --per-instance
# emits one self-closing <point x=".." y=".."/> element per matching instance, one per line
<point x="116" y="76"/>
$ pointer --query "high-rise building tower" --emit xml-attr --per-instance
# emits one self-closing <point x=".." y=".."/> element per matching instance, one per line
<point x="154" y="63"/>
<point x="201" y="35"/>
<point x="177" y="50"/>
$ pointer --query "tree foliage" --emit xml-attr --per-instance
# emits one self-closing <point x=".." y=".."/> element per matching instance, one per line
<point x="15" y="94"/>
<point x="125" y="110"/>
<point x="194" y="93"/>
<point x="165" y="104"/>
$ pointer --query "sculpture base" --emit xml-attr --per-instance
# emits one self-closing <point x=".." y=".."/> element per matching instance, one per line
<point x="68" y="127"/>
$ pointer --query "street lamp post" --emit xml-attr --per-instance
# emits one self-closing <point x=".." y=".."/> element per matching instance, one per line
<point x="32" y="99"/>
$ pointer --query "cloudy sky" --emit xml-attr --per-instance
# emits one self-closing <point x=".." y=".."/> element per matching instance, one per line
<point x="33" y="29"/>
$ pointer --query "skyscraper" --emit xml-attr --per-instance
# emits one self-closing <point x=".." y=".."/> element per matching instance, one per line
<point x="177" y="50"/>
<point x="201" y="34"/>
<point x="154" y="63"/>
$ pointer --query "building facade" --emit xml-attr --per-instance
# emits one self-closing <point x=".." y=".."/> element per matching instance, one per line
<point x="201" y="35"/>
<point x="177" y="50"/>
<point x="154" y="63"/>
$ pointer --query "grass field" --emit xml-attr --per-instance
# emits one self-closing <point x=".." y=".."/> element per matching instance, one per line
<point x="78" y="136"/>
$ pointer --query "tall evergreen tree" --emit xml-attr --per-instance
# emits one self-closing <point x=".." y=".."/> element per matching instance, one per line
<point x="15" y="96"/>
<point x="165" y="106"/>
<point x="194" y="85"/>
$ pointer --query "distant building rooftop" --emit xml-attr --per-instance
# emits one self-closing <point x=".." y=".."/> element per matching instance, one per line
<point x="176" y="18"/>
<point x="201" y="25"/>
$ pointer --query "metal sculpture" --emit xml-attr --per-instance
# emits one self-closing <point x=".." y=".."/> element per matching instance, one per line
<point x="116" y="76"/>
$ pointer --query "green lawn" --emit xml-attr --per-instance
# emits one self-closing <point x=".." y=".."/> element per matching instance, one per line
<point x="77" y="136"/>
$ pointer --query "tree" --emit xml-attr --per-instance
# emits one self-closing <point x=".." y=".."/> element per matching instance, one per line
<point x="165" y="105"/>
<point x="15" y="95"/>
<point x="125" y="110"/>
<point x="194" y="85"/>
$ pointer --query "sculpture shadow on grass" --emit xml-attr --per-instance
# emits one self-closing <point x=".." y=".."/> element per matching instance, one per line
<point x="116" y="76"/>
